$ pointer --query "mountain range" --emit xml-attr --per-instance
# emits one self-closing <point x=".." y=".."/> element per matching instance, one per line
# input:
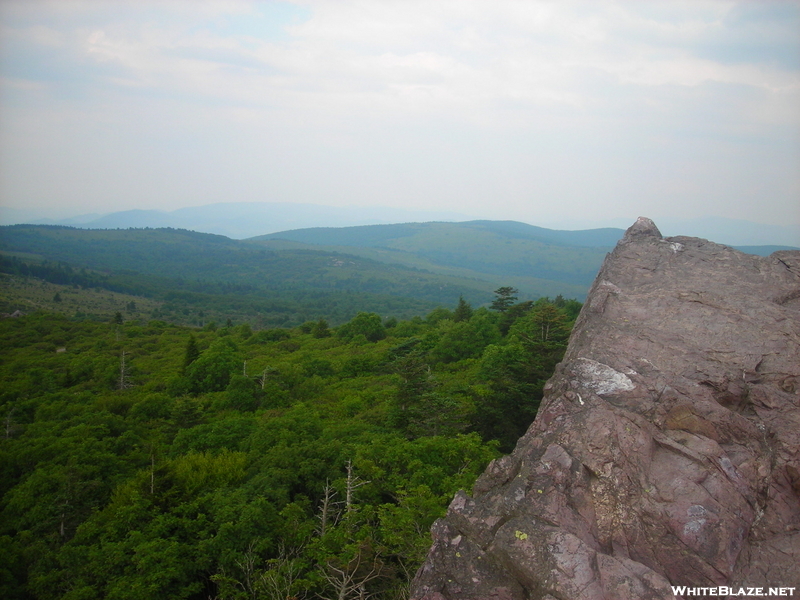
<point x="433" y="262"/>
<point x="241" y="220"/>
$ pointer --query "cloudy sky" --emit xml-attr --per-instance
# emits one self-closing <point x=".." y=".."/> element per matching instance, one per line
<point x="544" y="112"/>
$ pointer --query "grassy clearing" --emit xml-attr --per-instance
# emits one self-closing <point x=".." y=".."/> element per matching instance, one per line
<point x="29" y="294"/>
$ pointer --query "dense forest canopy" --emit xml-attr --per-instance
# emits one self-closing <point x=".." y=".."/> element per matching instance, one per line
<point x="434" y="266"/>
<point x="145" y="459"/>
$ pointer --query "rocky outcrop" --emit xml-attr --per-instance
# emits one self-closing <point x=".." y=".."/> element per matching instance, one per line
<point x="666" y="450"/>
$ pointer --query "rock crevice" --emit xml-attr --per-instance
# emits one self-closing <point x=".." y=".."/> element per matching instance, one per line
<point x="666" y="450"/>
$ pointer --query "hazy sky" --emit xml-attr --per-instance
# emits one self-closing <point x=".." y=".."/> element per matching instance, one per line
<point x="537" y="111"/>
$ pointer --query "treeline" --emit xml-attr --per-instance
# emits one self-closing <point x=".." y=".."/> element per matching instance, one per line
<point x="60" y="272"/>
<point x="197" y="301"/>
<point x="122" y="281"/>
<point x="142" y="261"/>
<point x="148" y="460"/>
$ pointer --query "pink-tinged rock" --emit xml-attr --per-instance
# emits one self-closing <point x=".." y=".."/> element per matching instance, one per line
<point x="666" y="450"/>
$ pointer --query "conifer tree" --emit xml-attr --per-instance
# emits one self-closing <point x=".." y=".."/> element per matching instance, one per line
<point x="463" y="311"/>
<point x="505" y="298"/>
<point x="191" y="353"/>
<point x="320" y="329"/>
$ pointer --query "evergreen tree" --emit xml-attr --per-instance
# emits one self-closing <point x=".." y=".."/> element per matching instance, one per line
<point x="191" y="353"/>
<point x="506" y="296"/>
<point x="320" y="329"/>
<point x="463" y="311"/>
<point x="509" y="317"/>
<point x="416" y="381"/>
<point x="419" y="409"/>
<point x="517" y="371"/>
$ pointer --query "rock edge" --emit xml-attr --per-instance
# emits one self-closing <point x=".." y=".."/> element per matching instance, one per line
<point x="666" y="450"/>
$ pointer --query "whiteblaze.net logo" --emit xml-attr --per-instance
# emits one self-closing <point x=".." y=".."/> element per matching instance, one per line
<point x="681" y="590"/>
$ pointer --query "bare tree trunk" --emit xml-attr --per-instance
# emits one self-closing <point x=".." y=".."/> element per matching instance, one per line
<point x="124" y="379"/>
<point x="9" y="423"/>
<point x="263" y="379"/>
<point x="349" y="583"/>
<point x="328" y="510"/>
<point x="353" y="483"/>
<point x="279" y="579"/>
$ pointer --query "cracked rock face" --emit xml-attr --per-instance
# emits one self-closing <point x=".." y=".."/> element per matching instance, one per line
<point x="666" y="450"/>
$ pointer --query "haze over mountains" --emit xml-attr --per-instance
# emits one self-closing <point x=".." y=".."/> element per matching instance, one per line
<point x="240" y="220"/>
<point x="431" y="262"/>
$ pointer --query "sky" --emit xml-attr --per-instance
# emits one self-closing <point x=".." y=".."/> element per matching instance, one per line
<point x="551" y="113"/>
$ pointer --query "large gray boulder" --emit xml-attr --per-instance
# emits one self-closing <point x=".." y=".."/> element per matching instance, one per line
<point x="666" y="450"/>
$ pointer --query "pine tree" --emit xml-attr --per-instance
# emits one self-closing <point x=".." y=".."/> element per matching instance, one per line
<point x="505" y="298"/>
<point x="191" y="353"/>
<point x="463" y="311"/>
<point x="320" y="329"/>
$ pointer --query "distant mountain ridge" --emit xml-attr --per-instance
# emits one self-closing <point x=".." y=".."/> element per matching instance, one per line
<point x="378" y="235"/>
<point x="535" y="260"/>
<point x="434" y="262"/>
<point x="241" y="220"/>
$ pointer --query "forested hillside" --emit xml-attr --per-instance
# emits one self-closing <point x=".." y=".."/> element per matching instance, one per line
<point x="200" y="277"/>
<point x="537" y="261"/>
<point x="424" y="264"/>
<point x="146" y="460"/>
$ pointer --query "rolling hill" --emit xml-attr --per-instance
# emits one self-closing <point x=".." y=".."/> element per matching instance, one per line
<point x="190" y="270"/>
<point x="537" y="261"/>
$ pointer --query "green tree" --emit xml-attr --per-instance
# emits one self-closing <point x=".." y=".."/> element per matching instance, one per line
<point x="463" y="311"/>
<point x="517" y="371"/>
<point x="438" y="314"/>
<point x="191" y="353"/>
<point x="416" y="381"/>
<point x="570" y="306"/>
<point x="545" y="328"/>
<point x="242" y="393"/>
<point x="505" y="298"/>
<point x="510" y="316"/>
<point x="320" y="329"/>
<point x="418" y="408"/>
<point x="212" y="371"/>
<point x="367" y="324"/>
<point x="465" y="339"/>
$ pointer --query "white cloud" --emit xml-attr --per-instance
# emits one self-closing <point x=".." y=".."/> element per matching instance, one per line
<point x="566" y="100"/>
